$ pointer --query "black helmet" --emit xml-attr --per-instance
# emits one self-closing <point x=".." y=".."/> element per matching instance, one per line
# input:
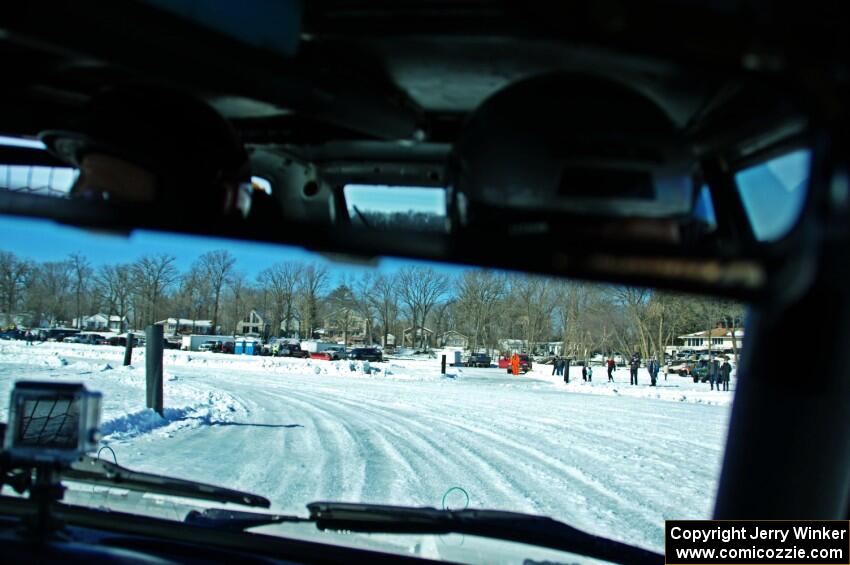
<point x="569" y="142"/>
<point x="189" y="146"/>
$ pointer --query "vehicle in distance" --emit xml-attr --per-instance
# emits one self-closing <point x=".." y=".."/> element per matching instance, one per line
<point x="291" y="350"/>
<point x="478" y="360"/>
<point x="366" y="354"/>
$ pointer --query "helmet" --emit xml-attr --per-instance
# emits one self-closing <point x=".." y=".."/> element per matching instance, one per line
<point x="189" y="146"/>
<point x="569" y="142"/>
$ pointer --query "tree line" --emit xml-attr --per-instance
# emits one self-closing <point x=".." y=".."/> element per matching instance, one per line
<point x="483" y="305"/>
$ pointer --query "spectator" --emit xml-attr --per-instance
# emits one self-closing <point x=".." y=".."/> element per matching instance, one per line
<point x="725" y="373"/>
<point x="653" y="368"/>
<point x="633" y="367"/>
<point x="611" y="365"/>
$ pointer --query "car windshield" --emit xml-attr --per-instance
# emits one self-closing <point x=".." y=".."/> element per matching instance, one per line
<point x="419" y="427"/>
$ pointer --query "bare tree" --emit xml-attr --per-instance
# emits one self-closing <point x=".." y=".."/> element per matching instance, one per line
<point x="420" y="289"/>
<point x="81" y="272"/>
<point x="479" y="294"/>
<point x="343" y="308"/>
<point x="531" y="306"/>
<point x="14" y="274"/>
<point x="384" y="298"/>
<point x="236" y="295"/>
<point x="153" y="275"/>
<point x="115" y="282"/>
<point x="217" y="266"/>
<point x="281" y="282"/>
<point x="48" y="296"/>
<point x="314" y="278"/>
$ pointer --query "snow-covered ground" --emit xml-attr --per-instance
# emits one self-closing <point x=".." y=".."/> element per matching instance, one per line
<point x="609" y="458"/>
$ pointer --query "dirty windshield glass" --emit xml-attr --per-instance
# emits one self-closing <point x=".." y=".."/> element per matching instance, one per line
<point x="406" y="383"/>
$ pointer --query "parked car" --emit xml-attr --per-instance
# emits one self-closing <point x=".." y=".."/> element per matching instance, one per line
<point x="208" y="346"/>
<point x="336" y="352"/>
<point x="366" y="354"/>
<point x="478" y="360"/>
<point x="525" y="363"/>
<point x="13" y="334"/>
<point x="291" y="350"/>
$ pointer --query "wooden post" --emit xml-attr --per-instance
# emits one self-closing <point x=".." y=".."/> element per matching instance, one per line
<point x="128" y="350"/>
<point x="443" y="365"/>
<point x="153" y="367"/>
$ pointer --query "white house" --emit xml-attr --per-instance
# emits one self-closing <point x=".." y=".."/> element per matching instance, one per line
<point x="102" y="322"/>
<point x="259" y="322"/>
<point x="174" y="326"/>
<point x="720" y="339"/>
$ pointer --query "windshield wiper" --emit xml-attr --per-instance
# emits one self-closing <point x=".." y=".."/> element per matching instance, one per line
<point x="100" y="472"/>
<point x="510" y="526"/>
<point x="236" y="520"/>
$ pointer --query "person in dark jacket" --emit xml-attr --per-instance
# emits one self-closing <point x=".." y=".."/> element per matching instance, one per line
<point x="725" y="374"/>
<point x="611" y="366"/>
<point x="714" y="373"/>
<point x="633" y="367"/>
<point x="653" y="368"/>
<point x="584" y="373"/>
<point x="556" y="363"/>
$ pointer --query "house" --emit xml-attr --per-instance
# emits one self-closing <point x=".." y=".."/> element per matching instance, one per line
<point x="549" y="347"/>
<point x="174" y="326"/>
<point x="411" y="338"/>
<point x="720" y="339"/>
<point x="334" y="326"/>
<point x="453" y="338"/>
<point x="15" y="320"/>
<point x="253" y="323"/>
<point x="101" y="322"/>
<point x="259" y="322"/>
<point x="512" y="345"/>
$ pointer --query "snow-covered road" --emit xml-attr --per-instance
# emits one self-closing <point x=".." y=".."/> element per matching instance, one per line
<point x="602" y="457"/>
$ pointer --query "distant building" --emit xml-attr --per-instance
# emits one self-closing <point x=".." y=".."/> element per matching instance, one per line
<point x="16" y="320"/>
<point x="452" y="338"/>
<point x="334" y="325"/>
<point x="259" y="322"/>
<point x="174" y="326"/>
<point x="253" y="323"/>
<point x="720" y="339"/>
<point x="411" y="338"/>
<point x="512" y="345"/>
<point x="101" y="322"/>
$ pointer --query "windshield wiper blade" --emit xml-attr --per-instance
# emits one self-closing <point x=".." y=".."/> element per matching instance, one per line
<point x="510" y="526"/>
<point x="235" y="520"/>
<point x="100" y="472"/>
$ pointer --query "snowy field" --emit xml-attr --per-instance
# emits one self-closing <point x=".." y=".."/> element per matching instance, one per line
<point x="609" y="458"/>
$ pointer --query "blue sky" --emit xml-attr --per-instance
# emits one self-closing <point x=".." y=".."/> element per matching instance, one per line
<point x="43" y="240"/>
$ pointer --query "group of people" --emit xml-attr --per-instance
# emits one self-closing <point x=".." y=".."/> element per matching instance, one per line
<point x="719" y="374"/>
<point x="561" y="366"/>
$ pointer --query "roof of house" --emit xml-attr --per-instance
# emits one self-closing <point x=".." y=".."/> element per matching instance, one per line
<point x="716" y="332"/>
<point x="186" y="322"/>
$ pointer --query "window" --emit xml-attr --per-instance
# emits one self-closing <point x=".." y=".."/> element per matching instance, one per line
<point x="48" y="181"/>
<point x="397" y="207"/>
<point x="773" y="193"/>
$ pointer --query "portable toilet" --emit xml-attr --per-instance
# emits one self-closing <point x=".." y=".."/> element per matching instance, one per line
<point x="249" y="347"/>
<point x="239" y="347"/>
<point x="457" y="362"/>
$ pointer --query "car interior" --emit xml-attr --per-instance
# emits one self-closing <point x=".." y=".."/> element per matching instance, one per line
<point x="613" y="142"/>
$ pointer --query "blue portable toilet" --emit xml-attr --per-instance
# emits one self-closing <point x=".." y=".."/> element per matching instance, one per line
<point x="249" y="347"/>
<point x="239" y="347"/>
